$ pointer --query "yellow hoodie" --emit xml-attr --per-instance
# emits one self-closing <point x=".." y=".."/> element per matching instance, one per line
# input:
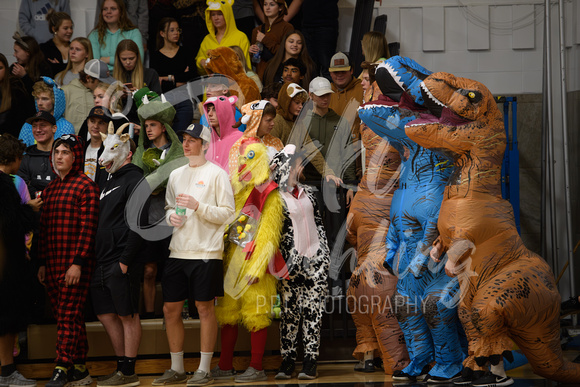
<point x="232" y="37"/>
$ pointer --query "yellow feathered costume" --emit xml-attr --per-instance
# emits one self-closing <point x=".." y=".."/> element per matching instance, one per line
<point x="251" y="242"/>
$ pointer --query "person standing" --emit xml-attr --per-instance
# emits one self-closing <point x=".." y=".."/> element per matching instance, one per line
<point x="221" y="25"/>
<point x="113" y="26"/>
<point x="32" y="17"/>
<point x="12" y="94"/>
<point x="66" y="252"/>
<point x="138" y="13"/>
<point x="56" y="50"/>
<point x="116" y="283"/>
<point x="320" y="28"/>
<point x="334" y="137"/>
<point x="15" y="276"/>
<point x="194" y="269"/>
<point x="269" y="35"/>
<point x="49" y="98"/>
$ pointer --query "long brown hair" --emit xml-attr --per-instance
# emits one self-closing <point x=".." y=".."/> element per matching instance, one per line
<point x="278" y="58"/>
<point x="55" y="19"/>
<point x="119" y="72"/>
<point x="88" y="48"/>
<point x="163" y="26"/>
<point x="125" y="23"/>
<point x="5" y="89"/>
<point x="35" y="56"/>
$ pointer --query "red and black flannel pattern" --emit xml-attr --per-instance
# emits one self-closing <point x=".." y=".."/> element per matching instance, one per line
<point x="68" y="227"/>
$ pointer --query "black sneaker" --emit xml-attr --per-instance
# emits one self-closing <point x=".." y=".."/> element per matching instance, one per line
<point x="286" y="369"/>
<point x="430" y="379"/>
<point x="577" y="360"/>
<point x="468" y="376"/>
<point x="491" y="380"/>
<point x="400" y="376"/>
<point x="78" y="378"/>
<point x="572" y="306"/>
<point x="59" y="378"/>
<point x="308" y="370"/>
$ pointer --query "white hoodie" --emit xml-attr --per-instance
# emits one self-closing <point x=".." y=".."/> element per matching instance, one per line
<point x="201" y="236"/>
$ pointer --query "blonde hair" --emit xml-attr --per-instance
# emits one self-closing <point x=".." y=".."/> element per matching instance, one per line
<point x="115" y="104"/>
<point x="375" y="46"/>
<point x="124" y="23"/>
<point x="41" y="87"/>
<point x="119" y="71"/>
<point x="88" y="48"/>
<point x="241" y="57"/>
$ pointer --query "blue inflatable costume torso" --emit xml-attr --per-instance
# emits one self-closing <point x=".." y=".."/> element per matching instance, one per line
<point x="426" y="299"/>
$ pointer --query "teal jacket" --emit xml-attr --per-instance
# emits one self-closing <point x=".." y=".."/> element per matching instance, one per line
<point x="111" y="41"/>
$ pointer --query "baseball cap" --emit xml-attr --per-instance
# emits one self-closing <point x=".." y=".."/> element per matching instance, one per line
<point x="98" y="69"/>
<point x="320" y="86"/>
<point x="339" y="62"/>
<point x="198" y="131"/>
<point x="41" y="115"/>
<point x="100" y="112"/>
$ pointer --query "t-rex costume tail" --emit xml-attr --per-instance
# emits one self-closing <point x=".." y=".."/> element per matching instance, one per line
<point x="512" y="292"/>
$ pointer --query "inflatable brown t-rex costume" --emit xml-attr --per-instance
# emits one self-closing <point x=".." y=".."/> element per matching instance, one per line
<point x="508" y="292"/>
<point x="371" y="285"/>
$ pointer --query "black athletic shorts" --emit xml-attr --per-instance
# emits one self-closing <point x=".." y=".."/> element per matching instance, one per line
<point x="194" y="279"/>
<point x="115" y="292"/>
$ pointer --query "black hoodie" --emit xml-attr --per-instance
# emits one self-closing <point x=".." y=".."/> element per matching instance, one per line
<point x="35" y="169"/>
<point x="115" y="242"/>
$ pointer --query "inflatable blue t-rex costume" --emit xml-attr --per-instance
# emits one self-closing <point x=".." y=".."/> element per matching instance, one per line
<point x="426" y="298"/>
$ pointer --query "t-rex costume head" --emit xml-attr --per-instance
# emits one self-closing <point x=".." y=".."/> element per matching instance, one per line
<point x="398" y="74"/>
<point x="513" y="293"/>
<point x="116" y="148"/>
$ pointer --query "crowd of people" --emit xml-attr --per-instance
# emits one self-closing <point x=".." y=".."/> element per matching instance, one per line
<point x="85" y="121"/>
<point x="117" y="174"/>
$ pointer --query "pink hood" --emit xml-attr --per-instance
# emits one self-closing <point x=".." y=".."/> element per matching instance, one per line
<point x="219" y="148"/>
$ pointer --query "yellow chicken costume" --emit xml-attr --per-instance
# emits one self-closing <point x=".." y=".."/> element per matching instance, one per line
<point x="251" y="247"/>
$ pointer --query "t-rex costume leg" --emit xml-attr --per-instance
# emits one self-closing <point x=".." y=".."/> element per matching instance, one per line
<point x="371" y="286"/>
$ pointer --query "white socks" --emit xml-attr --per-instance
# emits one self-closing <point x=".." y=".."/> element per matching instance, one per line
<point x="369" y="355"/>
<point x="177" y="362"/>
<point x="498" y="370"/>
<point x="205" y="361"/>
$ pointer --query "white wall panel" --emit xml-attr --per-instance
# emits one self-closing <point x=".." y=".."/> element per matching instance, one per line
<point x="433" y="29"/>
<point x="523" y="27"/>
<point x="411" y="35"/>
<point x="478" y="28"/>
<point x="500" y="32"/>
<point x="455" y="30"/>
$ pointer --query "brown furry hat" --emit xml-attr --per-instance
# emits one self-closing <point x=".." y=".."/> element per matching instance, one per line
<point x="223" y="60"/>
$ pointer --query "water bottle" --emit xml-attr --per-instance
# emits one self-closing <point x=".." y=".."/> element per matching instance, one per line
<point x="185" y="311"/>
<point x="257" y="57"/>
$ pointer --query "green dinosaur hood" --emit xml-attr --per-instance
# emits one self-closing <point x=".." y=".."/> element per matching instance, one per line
<point x="162" y="111"/>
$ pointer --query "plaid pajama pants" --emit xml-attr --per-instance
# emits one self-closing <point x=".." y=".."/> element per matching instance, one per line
<point x="68" y="306"/>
